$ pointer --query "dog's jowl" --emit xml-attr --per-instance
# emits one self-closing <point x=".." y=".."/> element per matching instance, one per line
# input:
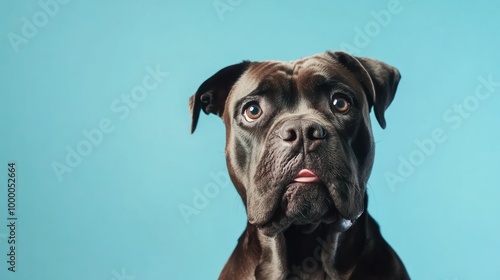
<point x="299" y="150"/>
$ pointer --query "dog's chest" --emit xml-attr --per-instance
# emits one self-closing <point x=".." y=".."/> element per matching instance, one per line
<point x="318" y="274"/>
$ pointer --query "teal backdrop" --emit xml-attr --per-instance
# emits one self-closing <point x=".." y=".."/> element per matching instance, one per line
<point x="111" y="185"/>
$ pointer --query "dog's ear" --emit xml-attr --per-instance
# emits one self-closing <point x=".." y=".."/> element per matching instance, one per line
<point x="385" y="80"/>
<point x="212" y="94"/>
<point x="381" y="85"/>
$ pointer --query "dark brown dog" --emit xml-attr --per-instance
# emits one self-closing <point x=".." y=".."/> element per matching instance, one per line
<point x="299" y="149"/>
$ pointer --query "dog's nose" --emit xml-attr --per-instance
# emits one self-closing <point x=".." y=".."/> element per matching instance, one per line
<point x="302" y="132"/>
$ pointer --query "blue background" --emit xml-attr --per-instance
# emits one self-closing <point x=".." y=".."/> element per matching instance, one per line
<point x="116" y="214"/>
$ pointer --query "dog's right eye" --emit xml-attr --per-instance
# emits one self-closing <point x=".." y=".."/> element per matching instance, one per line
<point x="252" y="113"/>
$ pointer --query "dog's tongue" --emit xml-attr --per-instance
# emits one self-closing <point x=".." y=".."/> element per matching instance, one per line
<point x="306" y="176"/>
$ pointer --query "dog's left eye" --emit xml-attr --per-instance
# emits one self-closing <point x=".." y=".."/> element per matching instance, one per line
<point x="341" y="104"/>
<point x="252" y="113"/>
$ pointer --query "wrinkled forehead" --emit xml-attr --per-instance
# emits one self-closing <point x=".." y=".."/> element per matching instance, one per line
<point x="301" y="76"/>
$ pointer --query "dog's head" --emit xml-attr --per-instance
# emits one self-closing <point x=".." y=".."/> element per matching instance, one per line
<point x="299" y="144"/>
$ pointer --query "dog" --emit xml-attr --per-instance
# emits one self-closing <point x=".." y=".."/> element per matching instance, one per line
<point x="299" y="150"/>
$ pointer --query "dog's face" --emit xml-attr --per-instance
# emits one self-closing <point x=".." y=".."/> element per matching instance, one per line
<point x="299" y="145"/>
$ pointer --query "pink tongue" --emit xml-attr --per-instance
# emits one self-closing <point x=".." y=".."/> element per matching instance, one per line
<point x="306" y="176"/>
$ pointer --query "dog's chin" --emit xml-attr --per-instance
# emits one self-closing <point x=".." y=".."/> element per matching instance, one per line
<point x="305" y="204"/>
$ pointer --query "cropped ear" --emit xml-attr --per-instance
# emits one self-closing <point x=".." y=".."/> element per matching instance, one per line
<point x="212" y="94"/>
<point x="380" y="80"/>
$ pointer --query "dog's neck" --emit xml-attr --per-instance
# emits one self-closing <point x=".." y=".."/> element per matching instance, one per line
<point x="323" y="253"/>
